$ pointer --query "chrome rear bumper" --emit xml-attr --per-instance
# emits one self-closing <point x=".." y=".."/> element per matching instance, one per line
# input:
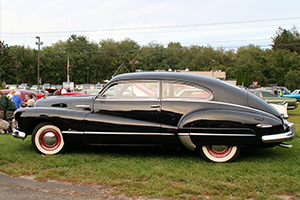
<point x="282" y="137"/>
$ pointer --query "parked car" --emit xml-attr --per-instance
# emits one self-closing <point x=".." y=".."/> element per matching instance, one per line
<point x="150" y="109"/>
<point x="24" y="86"/>
<point x="23" y="93"/>
<point x="87" y="86"/>
<point x="99" y="86"/>
<point x="46" y="86"/>
<point x="34" y="87"/>
<point x="78" y="87"/>
<point x="272" y="98"/>
<point x="39" y="93"/>
<point x="13" y="87"/>
<point x="295" y="94"/>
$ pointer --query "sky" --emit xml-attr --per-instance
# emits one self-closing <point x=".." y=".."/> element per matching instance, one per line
<point x="218" y="23"/>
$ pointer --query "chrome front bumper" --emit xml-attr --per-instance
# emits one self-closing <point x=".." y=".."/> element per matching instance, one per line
<point x="282" y="137"/>
<point x="19" y="134"/>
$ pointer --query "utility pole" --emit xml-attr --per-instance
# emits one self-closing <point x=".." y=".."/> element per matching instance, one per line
<point x="212" y="68"/>
<point x="39" y="43"/>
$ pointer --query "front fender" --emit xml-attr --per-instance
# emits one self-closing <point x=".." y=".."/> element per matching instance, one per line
<point x="65" y="119"/>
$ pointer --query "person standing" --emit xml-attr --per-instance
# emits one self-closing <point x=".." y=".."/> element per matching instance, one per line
<point x="276" y="91"/>
<point x="16" y="98"/>
<point x="281" y="92"/>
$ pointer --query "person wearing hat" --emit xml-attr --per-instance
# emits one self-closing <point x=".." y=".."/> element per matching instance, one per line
<point x="16" y="98"/>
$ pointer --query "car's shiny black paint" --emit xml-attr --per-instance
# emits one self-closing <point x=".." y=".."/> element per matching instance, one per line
<point x="231" y="117"/>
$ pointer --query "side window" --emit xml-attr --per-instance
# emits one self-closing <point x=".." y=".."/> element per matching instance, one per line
<point x="133" y="90"/>
<point x="185" y="91"/>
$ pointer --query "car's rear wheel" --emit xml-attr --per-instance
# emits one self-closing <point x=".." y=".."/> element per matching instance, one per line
<point x="47" y="139"/>
<point x="219" y="153"/>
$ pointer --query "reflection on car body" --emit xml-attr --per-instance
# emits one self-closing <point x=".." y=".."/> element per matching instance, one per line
<point x="158" y="109"/>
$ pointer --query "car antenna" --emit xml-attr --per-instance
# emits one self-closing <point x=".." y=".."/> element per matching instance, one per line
<point x="118" y="69"/>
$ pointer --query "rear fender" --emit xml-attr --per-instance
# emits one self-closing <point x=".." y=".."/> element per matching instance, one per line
<point x="224" y="127"/>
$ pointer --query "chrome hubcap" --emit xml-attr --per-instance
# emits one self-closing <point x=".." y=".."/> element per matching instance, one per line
<point x="49" y="139"/>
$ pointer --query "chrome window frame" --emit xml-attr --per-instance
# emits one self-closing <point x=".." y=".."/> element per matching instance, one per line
<point x="101" y="96"/>
<point x="188" y="84"/>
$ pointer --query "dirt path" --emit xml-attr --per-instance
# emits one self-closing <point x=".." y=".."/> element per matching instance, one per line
<point x="25" y="187"/>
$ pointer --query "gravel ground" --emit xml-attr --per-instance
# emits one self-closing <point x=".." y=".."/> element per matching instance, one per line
<point x="26" y="187"/>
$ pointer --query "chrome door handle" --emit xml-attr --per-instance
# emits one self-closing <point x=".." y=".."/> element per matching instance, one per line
<point x="155" y="106"/>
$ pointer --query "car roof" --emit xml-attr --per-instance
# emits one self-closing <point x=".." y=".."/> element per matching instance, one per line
<point x="165" y="76"/>
<point x="222" y="91"/>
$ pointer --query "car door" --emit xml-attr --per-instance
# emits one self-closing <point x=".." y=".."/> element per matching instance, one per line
<point x="126" y="113"/>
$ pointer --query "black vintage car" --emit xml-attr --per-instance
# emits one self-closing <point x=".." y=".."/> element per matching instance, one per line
<point x="164" y="109"/>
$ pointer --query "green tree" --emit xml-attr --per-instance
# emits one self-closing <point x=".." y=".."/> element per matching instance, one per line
<point x="7" y="64"/>
<point x="153" y="57"/>
<point x="26" y="64"/>
<point x="254" y="58"/>
<point x="292" y="79"/>
<point x="247" y="78"/>
<point x="239" y="77"/>
<point x="286" y="39"/>
<point x="279" y="63"/>
<point x="81" y="53"/>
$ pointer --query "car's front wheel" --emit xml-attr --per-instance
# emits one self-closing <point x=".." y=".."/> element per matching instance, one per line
<point x="219" y="153"/>
<point x="47" y="139"/>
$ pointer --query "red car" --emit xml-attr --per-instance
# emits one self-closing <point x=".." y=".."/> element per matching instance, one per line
<point x="39" y="93"/>
<point x="23" y="93"/>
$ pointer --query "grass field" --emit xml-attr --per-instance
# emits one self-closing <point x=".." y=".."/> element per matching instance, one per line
<point x="258" y="174"/>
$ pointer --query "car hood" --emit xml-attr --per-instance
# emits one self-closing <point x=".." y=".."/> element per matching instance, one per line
<point x="66" y="101"/>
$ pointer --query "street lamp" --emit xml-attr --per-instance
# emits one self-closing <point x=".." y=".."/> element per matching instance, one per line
<point x="39" y="43"/>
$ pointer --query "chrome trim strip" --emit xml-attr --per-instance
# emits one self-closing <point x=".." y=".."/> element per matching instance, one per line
<point x="168" y="134"/>
<point x="118" y="133"/>
<point x="72" y="132"/>
<point x="183" y="134"/>
<point x="264" y="125"/>
<point x="187" y="142"/>
<point x="221" y="134"/>
<point x="115" y="133"/>
<point x="133" y="99"/>
<point x="83" y="106"/>
<point x="163" y="134"/>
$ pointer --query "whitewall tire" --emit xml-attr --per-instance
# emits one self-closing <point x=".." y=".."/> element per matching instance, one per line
<point x="47" y="139"/>
<point x="219" y="153"/>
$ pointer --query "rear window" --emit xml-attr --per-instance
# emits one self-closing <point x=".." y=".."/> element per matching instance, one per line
<point x="185" y="91"/>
